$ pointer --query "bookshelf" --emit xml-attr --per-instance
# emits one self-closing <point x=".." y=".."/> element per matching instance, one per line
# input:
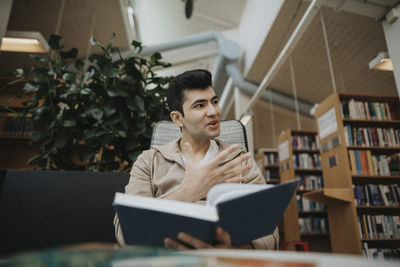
<point x="267" y="161"/>
<point x="304" y="220"/>
<point x="360" y="146"/>
<point x="15" y="133"/>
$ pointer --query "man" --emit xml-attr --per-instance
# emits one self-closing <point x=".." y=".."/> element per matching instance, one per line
<point x="187" y="168"/>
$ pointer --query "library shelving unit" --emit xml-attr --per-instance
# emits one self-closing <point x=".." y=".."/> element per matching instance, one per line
<point x="15" y="133"/>
<point x="304" y="220"/>
<point x="359" y="139"/>
<point x="267" y="161"/>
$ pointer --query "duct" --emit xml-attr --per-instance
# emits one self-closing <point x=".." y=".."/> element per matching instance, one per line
<point x="204" y="37"/>
<point x="228" y="55"/>
<point x="279" y="99"/>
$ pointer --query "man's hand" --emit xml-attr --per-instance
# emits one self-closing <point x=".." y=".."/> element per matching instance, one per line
<point x="200" y="178"/>
<point x="222" y="237"/>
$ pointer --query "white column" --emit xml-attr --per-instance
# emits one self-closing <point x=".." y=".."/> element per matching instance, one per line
<point x="5" y="10"/>
<point x="392" y="35"/>
<point x="241" y="103"/>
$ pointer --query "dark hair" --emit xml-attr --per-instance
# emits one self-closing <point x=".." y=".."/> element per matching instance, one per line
<point x="189" y="80"/>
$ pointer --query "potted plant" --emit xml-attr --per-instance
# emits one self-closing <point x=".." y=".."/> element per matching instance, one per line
<point x="98" y="117"/>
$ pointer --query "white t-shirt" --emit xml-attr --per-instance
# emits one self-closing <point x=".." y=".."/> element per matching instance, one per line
<point x="211" y="152"/>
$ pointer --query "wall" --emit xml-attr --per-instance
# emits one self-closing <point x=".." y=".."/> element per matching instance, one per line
<point x="257" y="19"/>
<point x="392" y="35"/>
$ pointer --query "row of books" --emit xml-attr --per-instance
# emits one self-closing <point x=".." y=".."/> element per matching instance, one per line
<point x="377" y="195"/>
<point x="271" y="159"/>
<point x="365" y="110"/>
<point x="372" y="136"/>
<point x="362" y="162"/>
<point x="381" y="253"/>
<point x="17" y="126"/>
<point x="271" y="174"/>
<point x="306" y="161"/>
<point x="379" y="226"/>
<point x="304" y="142"/>
<point x="310" y="182"/>
<point x="304" y="204"/>
<point x="313" y="225"/>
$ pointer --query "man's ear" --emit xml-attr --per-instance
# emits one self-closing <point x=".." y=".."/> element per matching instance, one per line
<point x="176" y="117"/>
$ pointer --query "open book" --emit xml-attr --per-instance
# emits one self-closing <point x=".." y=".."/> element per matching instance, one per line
<point x="246" y="211"/>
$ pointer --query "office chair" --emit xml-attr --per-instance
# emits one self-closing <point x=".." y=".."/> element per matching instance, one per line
<point x="232" y="132"/>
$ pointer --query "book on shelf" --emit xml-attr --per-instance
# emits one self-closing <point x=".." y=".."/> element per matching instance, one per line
<point x="362" y="162"/>
<point x="306" y="161"/>
<point x="246" y="211"/>
<point x="304" y="204"/>
<point x="313" y="225"/>
<point x="17" y="126"/>
<point x="379" y="226"/>
<point x="304" y="142"/>
<point x="310" y="182"/>
<point x="372" y="136"/>
<point x="377" y="195"/>
<point x="368" y="110"/>
<point x="271" y="174"/>
<point x="380" y="253"/>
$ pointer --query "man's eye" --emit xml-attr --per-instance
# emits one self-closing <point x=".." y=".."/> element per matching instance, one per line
<point x="215" y="102"/>
<point x="198" y="106"/>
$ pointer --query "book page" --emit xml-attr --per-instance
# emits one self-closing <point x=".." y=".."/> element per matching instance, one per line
<point x="193" y="210"/>
<point x="224" y="192"/>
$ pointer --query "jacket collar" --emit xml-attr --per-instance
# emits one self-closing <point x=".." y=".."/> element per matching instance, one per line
<point x="172" y="152"/>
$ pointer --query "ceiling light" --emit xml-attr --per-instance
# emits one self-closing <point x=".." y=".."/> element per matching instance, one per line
<point x="381" y="62"/>
<point x="28" y="42"/>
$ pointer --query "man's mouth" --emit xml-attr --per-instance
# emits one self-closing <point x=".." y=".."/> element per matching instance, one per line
<point x="213" y="123"/>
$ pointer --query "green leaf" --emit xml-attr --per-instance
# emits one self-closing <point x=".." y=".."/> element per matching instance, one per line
<point x="54" y="42"/>
<point x="61" y="139"/>
<point x="69" y="123"/>
<point x="19" y="72"/>
<point x="122" y="134"/>
<point x="137" y="45"/>
<point x="139" y="102"/>
<point x="96" y="114"/>
<point x="79" y="64"/>
<point x="85" y="91"/>
<point x="30" y="88"/>
<point x="72" y="53"/>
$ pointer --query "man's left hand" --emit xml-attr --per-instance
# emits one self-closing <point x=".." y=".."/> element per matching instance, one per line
<point x="223" y="240"/>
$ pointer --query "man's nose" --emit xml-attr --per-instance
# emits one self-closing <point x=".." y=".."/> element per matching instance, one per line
<point x="211" y="110"/>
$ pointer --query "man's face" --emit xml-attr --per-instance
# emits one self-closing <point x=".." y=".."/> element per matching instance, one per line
<point x="202" y="114"/>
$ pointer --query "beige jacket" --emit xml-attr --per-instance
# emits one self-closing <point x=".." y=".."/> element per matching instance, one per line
<point x="159" y="171"/>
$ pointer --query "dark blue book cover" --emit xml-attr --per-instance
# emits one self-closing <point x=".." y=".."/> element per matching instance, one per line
<point x="250" y="215"/>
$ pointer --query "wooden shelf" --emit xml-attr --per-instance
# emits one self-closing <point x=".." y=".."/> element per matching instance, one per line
<point x="338" y="179"/>
<point x="371" y="123"/>
<point x="12" y="137"/>
<point x="325" y="235"/>
<point x="305" y="150"/>
<point x="376" y="149"/>
<point x="383" y="179"/>
<point x="273" y="181"/>
<point x="308" y="170"/>
<point x="327" y="194"/>
<point x="312" y="213"/>
<point x="271" y="166"/>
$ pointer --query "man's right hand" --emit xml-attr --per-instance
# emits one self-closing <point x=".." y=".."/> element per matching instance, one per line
<point x="200" y="178"/>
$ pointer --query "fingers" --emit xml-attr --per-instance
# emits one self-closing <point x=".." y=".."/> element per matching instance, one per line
<point x="224" y="154"/>
<point x="223" y="238"/>
<point x="195" y="242"/>
<point x="236" y="180"/>
<point x="170" y="243"/>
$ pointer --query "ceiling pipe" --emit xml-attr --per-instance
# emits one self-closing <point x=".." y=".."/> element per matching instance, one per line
<point x="225" y="67"/>
<point x="279" y="98"/>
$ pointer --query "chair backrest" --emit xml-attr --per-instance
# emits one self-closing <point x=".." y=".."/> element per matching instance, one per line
<point x="40" y="209"/>
<point x="232" y="132"/>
